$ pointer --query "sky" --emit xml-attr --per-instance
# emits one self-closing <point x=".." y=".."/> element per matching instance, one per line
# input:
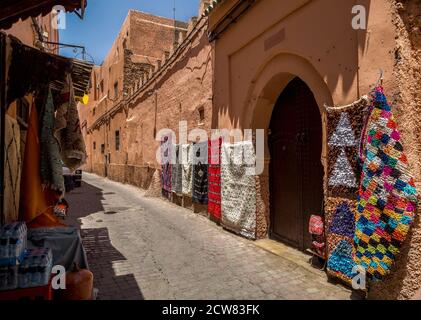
<point x="103" y="20"/>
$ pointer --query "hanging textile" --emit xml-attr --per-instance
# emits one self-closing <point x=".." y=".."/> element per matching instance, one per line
<point x="166" y="156"/>
<point x="67" y="128"/>
<point x="12" y="169"/>
<point x="187" y="168"/>
<point x="214" y="177"/>
<point x="238" y="189"/>
<point x="36" y="203"/>
<point x="200" y="173"/>
<point x="51" y="167"/>
<point x="387" y="197"/>
<point x="177" y="171"/>
<point x="344" y="127"/>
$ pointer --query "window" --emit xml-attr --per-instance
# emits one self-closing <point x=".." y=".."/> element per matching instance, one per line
<point x="102" y="148"/>
<point x="117" y="140"/>
<point x="102" y="86"/>
<point x="94" y="146"/>
<point x="93" y="111"/>
<point x="116" y="90"/>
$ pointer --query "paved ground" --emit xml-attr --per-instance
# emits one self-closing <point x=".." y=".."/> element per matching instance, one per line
<point x="147" y="248"/>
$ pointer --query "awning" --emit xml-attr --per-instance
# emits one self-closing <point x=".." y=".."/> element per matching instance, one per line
<point x="13" y="10"/>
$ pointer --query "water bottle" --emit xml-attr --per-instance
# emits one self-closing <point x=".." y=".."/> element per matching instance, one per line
<point x="13" y="240"/>
<point x="23" y="273"/>
<point x="42" y="268"/>
<point x="4" y="245"/>
<point x="32" y="270"/>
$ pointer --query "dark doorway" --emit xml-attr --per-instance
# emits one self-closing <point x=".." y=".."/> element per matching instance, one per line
<point x="296" y="172"/>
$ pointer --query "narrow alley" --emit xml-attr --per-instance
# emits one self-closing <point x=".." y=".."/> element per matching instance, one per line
<point x="147" y="248"/>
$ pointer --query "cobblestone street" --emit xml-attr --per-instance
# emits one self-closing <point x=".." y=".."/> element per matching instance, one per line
<point x="147" y="248"/>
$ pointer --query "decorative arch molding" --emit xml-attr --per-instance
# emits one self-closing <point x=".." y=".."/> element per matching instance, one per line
<point x="269" y="82"/>
<point x="271" y="79"/>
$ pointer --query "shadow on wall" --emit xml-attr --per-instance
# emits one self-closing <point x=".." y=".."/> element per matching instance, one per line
<point x="85" y="201"/>
<point x="410" y="14"/>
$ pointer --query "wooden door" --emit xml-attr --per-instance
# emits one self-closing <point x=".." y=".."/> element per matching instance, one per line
<point x="296" y="173"/>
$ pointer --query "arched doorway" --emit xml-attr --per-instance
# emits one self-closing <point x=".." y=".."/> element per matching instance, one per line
<point x="296" y="172"/>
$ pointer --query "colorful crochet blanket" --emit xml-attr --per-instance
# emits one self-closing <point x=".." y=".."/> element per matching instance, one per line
<point x="214" y="177"/>
<point x="387" y="197"/>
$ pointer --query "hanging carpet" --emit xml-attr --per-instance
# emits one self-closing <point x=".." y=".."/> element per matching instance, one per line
<point x="187" y="169"/>
<point x="166" y="156"/>
<point x="214" y="177"/>
<point x="238" y="189"/>
<point x="51" y="164"/>
<point x="67" y="128"/>
<point x="344" y="127"/>
<point x="200" y="173"/>
<point x="387" y="197"/>
<point x="177" y="171"/>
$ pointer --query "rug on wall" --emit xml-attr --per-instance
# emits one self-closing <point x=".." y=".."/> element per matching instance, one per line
<point x="200" y="173"/>
<point x="166" y="156"/>
<point x="187" y="169"/>
<point x="387" y="196"/>
<point x="344" y="127"/>
<point x="214" y="177"/>
<point x="238" y="189"/>
<point x="177" y="171"/>
<point x="341" y="262"/>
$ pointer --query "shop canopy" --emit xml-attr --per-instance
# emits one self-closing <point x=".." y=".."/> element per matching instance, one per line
<point x="13" y="10"/>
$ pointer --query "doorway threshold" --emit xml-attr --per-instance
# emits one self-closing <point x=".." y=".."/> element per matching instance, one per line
<point x="291" y="254"/>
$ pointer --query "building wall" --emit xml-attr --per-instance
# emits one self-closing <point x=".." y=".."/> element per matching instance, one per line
<point x="141" y="42"/>
<point x="314" y="40"/>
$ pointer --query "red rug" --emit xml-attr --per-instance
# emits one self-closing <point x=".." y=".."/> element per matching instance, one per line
<point x="214" y="178"/>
